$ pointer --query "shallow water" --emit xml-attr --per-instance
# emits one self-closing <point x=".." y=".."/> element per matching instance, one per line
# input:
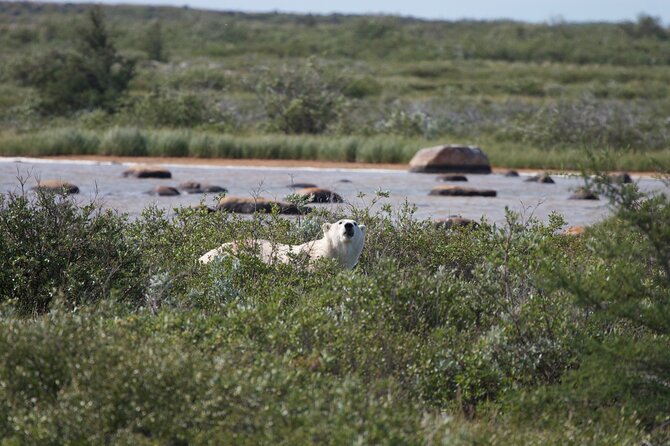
<point x="103" y="181"/>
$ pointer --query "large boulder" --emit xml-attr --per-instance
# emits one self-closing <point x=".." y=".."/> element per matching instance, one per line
<point x="450" y="158"/>
<point x="320" y="195"/>
<point x="241" y="205"/>
<point x="147" y="172"/>
<point x="457" y="191"/>
<point x="57" y="187"/>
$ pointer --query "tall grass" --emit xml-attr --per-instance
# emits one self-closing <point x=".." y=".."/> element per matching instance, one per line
<point x="368" y="149"/>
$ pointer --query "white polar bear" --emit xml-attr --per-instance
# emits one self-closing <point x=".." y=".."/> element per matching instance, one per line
<point x="342" y="241"/>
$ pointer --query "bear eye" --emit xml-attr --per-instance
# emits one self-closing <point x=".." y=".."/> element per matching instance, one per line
<point x="355" y="224"/>
<point x="339" y="222"/>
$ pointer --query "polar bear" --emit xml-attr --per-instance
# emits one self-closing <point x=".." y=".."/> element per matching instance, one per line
<point x="342" y="241"/>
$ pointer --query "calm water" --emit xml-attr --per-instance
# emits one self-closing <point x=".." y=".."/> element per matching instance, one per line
<point x="103" y="180"/>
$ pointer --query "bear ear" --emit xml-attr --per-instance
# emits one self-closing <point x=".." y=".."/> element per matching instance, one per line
<point x="325" y="227"/>
<point x="362" y="228"/>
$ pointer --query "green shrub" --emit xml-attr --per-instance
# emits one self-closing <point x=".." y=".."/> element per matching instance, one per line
<point x="52" y="248"/>
<point x="162" y="108"/>
<point x="300" y="100"/>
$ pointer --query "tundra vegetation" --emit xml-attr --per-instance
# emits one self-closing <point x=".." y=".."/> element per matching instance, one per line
<point x="135" y="80"/>
<point x="111" y="332"/>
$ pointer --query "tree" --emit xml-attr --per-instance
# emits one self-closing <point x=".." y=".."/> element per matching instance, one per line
<point x="153" y="42"/>
<point x="91" y="75"/>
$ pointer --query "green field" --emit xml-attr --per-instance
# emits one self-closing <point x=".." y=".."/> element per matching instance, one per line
<point x="531" y="95"/>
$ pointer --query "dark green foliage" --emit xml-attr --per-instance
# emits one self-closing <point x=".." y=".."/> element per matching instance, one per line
<point x="90" y="75"/>
<point x="154" y="42"/>
<point x="300" y="100"/>
<point x="53" y="249"/>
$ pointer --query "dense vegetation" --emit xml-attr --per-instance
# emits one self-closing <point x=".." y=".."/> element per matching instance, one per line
<point x="203" y="83"/>
<point x="112" y="333"/>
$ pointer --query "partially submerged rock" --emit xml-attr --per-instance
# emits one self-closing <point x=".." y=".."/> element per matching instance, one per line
<point x="57" y="187"/>
<point x="320" y="195"/>
<point x="452" y="177"/>
<point x="457" y="191"/>
<point x="511" y="173"/>
<point x="456" y="222"/>
<point x="584" y="194"/>
<point x="300" y="185"/>
<point x="193" y="187"/>
<point x="241" y="205"/>
<point x="541" y="178"/>
<point x="147" y="172"/>
<point x="450" y="158"/>
<point x="620" y="177"/>
<point x="164" y="191"/>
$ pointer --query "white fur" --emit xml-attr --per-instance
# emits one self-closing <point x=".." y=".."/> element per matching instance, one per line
<point x="338" y="243"/>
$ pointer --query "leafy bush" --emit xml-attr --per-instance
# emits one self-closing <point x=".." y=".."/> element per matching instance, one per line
<point x="300" y="100"/>
<point x="162" y="108"/>
<point x="54" y="249"/>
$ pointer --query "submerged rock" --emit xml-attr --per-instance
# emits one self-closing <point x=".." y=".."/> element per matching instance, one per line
<point x="457" y="191"/>
<point x="164" y="191"/>
<point x="541" y="178"/>
<point x="320" y="195"/>
<point x="300" y="185"/>
<point x="193" y="187"/>
<point x="452" y="177"/>
<point x="584" y="194"/>
<point x="147" y="172"/>
<point x="511" y="173"/>
<point x="456" y="222"/>
<point x="242" y="205"/>
<point x="57" y="187"/>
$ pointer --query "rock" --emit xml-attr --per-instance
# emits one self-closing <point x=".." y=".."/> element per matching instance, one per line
<point x="344" y="180"/>
<point x="301" y="185"/>
<point x="147" y="172"/>
<point x="583" y="194"/>
<point x="541" y="178"/>
<point x="457" y="191"/>
<point x="452" y="177"/>
<point x="511" y="173"/>
<point x="193" y="187"/>
<point x="57" y="187"/>
<point x="620" y="177"/>
<point x="450" y="158"/>
<point x="574" y="230"/>
<point x="456" y="222"/>
<point x="164" y="191"/>
<point x="320" y="195"/>
<point x="242" y="205"/>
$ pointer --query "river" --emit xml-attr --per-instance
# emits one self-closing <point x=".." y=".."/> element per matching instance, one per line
<point x="103" y="181"/>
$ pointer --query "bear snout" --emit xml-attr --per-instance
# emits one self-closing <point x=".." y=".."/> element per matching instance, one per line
<point x="349" y="229"/>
